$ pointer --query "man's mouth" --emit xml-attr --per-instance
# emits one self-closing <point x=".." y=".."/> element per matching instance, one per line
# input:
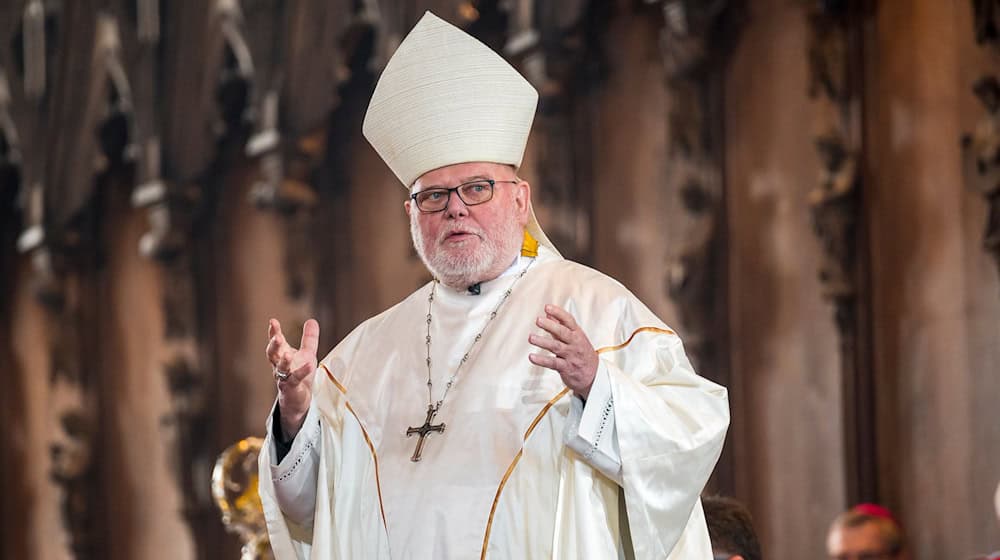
<point x="458" y="236"/>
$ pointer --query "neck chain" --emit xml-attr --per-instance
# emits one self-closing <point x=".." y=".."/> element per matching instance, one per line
<point x="434" y="407"/>
<point x="465" y="357"/>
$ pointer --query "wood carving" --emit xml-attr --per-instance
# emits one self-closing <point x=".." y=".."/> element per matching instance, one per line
<point x="981" y="147"/>
<point x="290" y="141"/>
<point x="35" y="48"/>
<point x="178" y="185"/>
<point x="696" y="38"/>
<point x="13" y="405"/>
<point x="327" y="50"/>
<point x="171" y="214"/>
<point x="65" y="259"/>
<point x="835" y="209"/>
<point x="692" y="49"/>
<point x="285" y="186"/>
<point x="10" y="143"/>
<point x="986" y="14"/>
<point x="233" y="88"/>
<point x="63" y="275"/>
<point x="835" y="204"/>
<point x="59" y="233"/>
<point x="116" y="132"/>
<point x="558" y="48"/>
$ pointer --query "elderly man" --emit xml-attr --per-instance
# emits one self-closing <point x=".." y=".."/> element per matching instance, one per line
<point x="519" y="405"/>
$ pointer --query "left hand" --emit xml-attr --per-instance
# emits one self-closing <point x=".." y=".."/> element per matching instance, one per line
<point x="573" y="354"/>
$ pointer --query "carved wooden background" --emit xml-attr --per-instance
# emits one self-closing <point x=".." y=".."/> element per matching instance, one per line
<point x="173" y="173"/>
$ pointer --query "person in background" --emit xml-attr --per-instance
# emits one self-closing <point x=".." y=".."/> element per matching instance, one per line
<point x="730" y="528"/>
<point x="866" y="532"/>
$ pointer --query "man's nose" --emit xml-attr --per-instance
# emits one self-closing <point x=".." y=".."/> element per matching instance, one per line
<point x="456" y="207"/>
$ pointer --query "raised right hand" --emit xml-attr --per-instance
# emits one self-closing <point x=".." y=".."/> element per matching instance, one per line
<point x="295" y="392"/>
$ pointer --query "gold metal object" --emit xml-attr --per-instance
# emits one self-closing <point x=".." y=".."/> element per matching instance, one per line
<point x="234" y="487"/>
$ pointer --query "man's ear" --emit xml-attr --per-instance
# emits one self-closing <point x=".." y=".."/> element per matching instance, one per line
<point x="406" y="205"/>
<point x="523" y="198"/>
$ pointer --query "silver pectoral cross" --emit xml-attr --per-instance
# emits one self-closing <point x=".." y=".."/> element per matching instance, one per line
<point x="422" y="431"/>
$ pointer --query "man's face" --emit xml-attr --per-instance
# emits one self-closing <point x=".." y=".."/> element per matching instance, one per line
<point x="462" y="244"/>
<point x="863" y="542"/>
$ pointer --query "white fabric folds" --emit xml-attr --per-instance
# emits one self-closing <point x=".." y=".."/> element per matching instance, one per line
<point x="501" y="482"/>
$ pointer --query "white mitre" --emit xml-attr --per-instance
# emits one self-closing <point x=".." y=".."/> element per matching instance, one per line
<point x="446" y="98"/>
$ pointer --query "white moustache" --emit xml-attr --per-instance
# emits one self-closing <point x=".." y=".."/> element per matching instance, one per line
<point x="473" y="231"/>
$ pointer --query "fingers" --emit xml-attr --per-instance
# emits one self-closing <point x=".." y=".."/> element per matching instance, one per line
<point x="554" y="363"/>
<point x="298" y="364"/>
<point x="276" y="345"/>
<point x="562" y="316"/>
<point x="310" y="336"/>
<point x="284" y="362"/>
<point x="570" y="352"/>
<point x="303" y="371"/>
<point x="554" y="328"/>
<point x="547" y="343"/>
<point x="297" y="375"/>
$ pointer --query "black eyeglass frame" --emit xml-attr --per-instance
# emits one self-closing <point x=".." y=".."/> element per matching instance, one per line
<point x="491" y="182"/>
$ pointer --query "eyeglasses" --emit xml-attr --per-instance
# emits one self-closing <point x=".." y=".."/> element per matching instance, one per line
<point x="471" y="193"/>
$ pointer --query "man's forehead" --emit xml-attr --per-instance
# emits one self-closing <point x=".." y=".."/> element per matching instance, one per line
<point x="863" y="536"/>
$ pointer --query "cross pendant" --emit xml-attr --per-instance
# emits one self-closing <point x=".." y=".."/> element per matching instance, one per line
<point x="422" y="431"/>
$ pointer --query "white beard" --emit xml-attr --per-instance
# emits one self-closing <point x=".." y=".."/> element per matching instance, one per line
<point x="460" y="271"/>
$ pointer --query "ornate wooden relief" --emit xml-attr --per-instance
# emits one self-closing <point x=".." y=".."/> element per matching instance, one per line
<point x="693" y="49"/>
<point x="290" y="138"/>
<point x="13" y="448"/>
<point x="558" y="48"/>
<point x="235" y="71"/>
<point x="180" y="174"/>
<point x="57" y="153"/>
<point x="986" y="14"/>
<point x="10" y="143"/>
<point x="35" y="48"/>
<point x="171" y="213"/>
<point x="284" y="185"/>
<point x="835" y="202"/>
<point x="147" y="16"/>
<point x="695" y="40"/>
<point x="67" y="264"/>
<point x="982" y="146"/>
<point x="63" y="282"/>
<point x="93" y="128"/>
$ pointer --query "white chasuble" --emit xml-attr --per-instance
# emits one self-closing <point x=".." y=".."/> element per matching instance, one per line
<point x="523" y="469"/>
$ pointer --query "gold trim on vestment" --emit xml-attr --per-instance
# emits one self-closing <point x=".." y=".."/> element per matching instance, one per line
<point x="629" y="341"/>
<point x="510" y="469"/>
<point x="517" y="458"/>
<point x="364" y="432"/>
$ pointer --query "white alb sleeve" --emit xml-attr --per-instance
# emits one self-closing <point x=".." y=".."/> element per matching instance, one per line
<point x="590" y="428"/>
<point x="295" y="477"/>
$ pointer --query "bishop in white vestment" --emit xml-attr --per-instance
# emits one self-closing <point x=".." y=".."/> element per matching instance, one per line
<point x="429" y="432"/>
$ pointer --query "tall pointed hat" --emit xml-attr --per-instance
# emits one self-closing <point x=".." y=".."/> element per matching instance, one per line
<point x="446" y="98"/>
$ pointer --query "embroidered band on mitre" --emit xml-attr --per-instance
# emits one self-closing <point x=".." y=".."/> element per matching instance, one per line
<point x="446" y="98"/>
